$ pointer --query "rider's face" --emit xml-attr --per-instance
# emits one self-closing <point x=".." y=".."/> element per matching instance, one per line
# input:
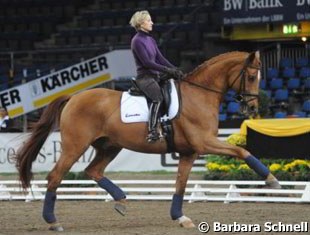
<point x="147" y="24"/>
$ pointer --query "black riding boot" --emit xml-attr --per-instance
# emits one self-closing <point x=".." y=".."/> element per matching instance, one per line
<point x="152" y="125"/>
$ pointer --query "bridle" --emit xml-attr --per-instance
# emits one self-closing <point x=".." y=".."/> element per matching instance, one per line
<point x="242" y="94"/>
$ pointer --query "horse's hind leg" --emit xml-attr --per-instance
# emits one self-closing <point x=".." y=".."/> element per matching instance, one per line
<point x="95" y="171"/>
<point x="70" y="154"/>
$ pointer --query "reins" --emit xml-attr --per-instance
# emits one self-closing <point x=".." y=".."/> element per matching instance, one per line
<point x="241" y="93"/>
<point x="200" y="86"/>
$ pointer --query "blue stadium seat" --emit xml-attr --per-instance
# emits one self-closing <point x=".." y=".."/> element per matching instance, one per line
<point x="302" y="62"/>
<point x="272" y="73"/>
<point x="307" y="84"/>
<point x="280" y="114"/>
<point x="233" y="107"/>
<point x="4" y="83"/>
<point x="306" y="106"/>
<point x="263" y="84"/>
<point x="229" y="96"/>
<point x="293" y="83"/>
<point x="288" y="73"/>
<point x="221" y="108"/>
<point x="276" y="83"/>
<point x="304" y="72"/>
<point x="281" y="95"/>
<point x="269" y="93"/>
<point x="222" y="117"/>
<point x="300" y="114"/>
<point x="286" y="63"/>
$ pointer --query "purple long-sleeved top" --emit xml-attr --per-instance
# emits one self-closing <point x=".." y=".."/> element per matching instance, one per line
<point x="148" y="58"/>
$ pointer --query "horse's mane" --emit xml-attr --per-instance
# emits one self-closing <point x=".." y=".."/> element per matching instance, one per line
<point x="218" y="58"/>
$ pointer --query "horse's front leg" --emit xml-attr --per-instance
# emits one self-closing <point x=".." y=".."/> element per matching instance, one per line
<point x="184" y="168"/>
<point x="214" y="146"/>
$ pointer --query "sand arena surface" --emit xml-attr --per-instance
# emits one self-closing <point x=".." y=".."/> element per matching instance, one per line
<point x="143" y="217"/>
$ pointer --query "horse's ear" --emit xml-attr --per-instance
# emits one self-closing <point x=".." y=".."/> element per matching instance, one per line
<point x="253" y="55"/>
<point x="257" y="55"/>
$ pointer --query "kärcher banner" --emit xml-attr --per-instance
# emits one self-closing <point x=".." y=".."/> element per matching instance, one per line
<point x="87" y="74"/>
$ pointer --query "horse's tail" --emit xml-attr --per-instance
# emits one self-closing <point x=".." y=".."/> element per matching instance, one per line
<point x="28" y="153"/>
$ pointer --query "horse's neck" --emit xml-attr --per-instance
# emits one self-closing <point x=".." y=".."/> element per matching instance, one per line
<point x="199" y="104"/>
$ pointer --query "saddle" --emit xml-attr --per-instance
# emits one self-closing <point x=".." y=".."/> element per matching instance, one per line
<point x="165" y="86"/>
<point x="135" y="108"/>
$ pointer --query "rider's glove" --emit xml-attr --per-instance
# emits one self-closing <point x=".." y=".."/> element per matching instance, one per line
<point x="175" y="73"/>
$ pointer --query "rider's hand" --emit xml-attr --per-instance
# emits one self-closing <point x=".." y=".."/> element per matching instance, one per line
<point x="175" y="73"/>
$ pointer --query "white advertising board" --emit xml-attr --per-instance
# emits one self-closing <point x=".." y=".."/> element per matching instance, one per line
<point x="126" y="160"/>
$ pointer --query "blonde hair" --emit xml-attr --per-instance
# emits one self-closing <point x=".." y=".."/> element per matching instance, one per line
<point x="138" y="18"/>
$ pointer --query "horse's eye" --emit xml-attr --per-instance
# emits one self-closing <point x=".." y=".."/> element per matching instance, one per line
<point x="252" y="78"/>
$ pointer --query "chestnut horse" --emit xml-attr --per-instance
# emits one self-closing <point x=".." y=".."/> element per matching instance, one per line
<point x="92" y="118"/>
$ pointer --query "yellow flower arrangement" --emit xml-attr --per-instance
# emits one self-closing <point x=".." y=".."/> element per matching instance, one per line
<point x="295" y="164"/>
<point x="213" y="166"/>
<point x="225" y="168"/>
<point x="243" y="167"/>
<point x="292" y="166"/>
<point x="236" y="139"/>
<point x="220" y="167"/>
<point x="275" y="167"/>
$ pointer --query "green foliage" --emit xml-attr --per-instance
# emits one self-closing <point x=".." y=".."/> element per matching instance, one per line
<point x="263" y="103"/>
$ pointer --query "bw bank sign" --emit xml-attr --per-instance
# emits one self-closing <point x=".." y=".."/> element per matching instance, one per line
<point x="87" y="74"/>
<point x="264" y="11"/>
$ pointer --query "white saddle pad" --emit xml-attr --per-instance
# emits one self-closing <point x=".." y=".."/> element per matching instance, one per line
<point x="135" y="109"/>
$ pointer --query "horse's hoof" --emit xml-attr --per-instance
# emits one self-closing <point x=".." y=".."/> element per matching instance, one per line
<point x="272" y="184"/>
<point x="186" y="222"/>
<point x="120" y="208"/>
<point x="56" y="228"/>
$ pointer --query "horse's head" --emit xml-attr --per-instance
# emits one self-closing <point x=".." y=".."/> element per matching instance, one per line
<point x="245" y="80"/>
<point x="241" y="71"/>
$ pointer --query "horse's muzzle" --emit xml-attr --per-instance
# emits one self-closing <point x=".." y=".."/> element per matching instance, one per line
<point x="249" y="110"/>
<point x="253" y="111"/>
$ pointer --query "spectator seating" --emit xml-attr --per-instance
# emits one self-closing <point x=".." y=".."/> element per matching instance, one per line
<point x="263" y="84"/>
<point x="306" y="106"/>
<point x="230" y="96"/>
<point x="222" y="117"/>
<point x="288" y="72"/>
<point x="293" y="84"/>
<point x="304" y="72"/>
<point x="280" y="114"/>
<point x="233" y="110"/>
<point x="300" y="114"/>
<point x="286" y="62"/>
<point x="307" y="84"/>
<point x="281" y="95"/>
<point x="22" y="23"/>
<point x="272" y="73"/>
<point x="276" y="83"/>
<point x="302" y="62"/>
